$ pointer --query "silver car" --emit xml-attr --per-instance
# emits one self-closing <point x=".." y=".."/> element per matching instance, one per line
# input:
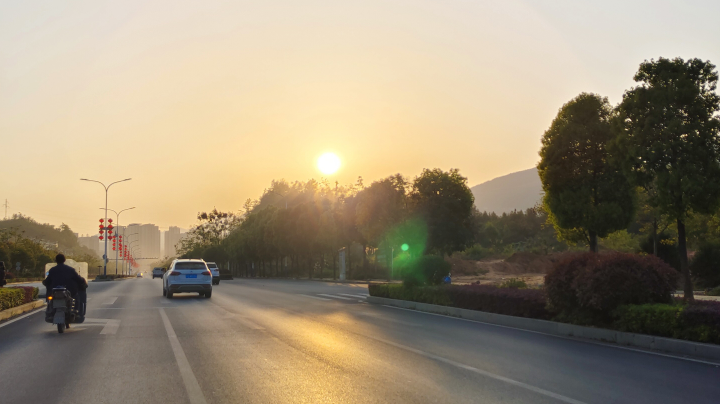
<point x="187" y="276"/>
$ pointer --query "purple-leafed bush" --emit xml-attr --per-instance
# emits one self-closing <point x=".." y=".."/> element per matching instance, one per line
<point x="510" y="301"/>
<point x="592" y="285"/>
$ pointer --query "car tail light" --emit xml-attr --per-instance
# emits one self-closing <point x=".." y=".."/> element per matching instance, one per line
<point x="207" y="273"/>
<point x="174" y="273"/>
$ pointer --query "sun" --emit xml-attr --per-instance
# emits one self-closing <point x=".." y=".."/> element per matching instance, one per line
<point x="328" y="163"/>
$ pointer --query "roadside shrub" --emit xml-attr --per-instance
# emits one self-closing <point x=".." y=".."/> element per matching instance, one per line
<point x="10" y="297"/>
<point x="513" y="283"/>
<point x="30" y="293"/>
<point x="659" y="319"/>
<point x="714" y="291"/>
<point x="698" y="321"/>
<point x="425" y="270"/>
<point x="476" y="253"/>
<point x="705" y="267"/>
<point x="513" y="302"/>
<point x="559" y="281"/>
<point x="592" y="285"/>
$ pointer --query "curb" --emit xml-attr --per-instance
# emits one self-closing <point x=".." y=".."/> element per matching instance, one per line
<point x="315" y="280"/>
<point x="649" y="342"/>
<point x="14" y="311"/>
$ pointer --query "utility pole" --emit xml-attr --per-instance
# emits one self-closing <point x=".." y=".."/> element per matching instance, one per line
<point x="6" y="206"/>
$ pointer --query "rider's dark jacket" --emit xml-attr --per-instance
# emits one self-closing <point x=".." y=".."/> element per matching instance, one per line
<point x="63" y="275"/>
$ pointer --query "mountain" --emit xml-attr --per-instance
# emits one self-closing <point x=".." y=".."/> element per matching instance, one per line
<point x="520" y="190"/>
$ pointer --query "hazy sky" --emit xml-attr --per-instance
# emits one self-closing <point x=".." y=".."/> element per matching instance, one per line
<point x="203" y="103"/>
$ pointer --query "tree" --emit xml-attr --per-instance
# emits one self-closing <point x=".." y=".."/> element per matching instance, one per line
<point x="585" y="193"/>
<point x="668" y="138"/>
<point x="444" y="201"/>
<point x="380" y="207"/>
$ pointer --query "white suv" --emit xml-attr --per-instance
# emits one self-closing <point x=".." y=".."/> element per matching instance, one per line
<point x="187" y="276"/>
<point x="215" y="272"/>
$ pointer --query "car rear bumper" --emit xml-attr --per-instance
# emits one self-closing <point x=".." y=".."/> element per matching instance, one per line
<point x="182" y="288"/>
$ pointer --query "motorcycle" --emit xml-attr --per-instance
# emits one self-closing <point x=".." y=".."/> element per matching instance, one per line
<point x="62" y="309"/>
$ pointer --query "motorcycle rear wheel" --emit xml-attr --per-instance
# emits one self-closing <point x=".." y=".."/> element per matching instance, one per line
<point x="61" y="328"/>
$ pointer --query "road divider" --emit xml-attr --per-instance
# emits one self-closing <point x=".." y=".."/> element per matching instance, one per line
<point x="647" y="342"/>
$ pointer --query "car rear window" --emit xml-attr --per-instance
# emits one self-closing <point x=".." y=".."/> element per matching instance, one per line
<point x="190" y="265"/>
<point x="213" y="266"/>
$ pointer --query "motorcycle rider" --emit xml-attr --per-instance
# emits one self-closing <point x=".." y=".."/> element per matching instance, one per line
<point x="65" y="276"/>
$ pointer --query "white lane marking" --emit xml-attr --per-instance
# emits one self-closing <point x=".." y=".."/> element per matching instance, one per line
<point x="22" y="317"/>
<point x="354" y="296"/>
<point x="111" y="327"/>
<point x="314" y="297"/>
<point x="111" y="300"/>
<point x="576" y="339"/>
<point x="483" y="372"/>
<point x="334" y="297"/>
<point x="191" y="384"/>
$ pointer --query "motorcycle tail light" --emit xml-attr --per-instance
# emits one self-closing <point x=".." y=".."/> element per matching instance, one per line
<point x="49" y="297"/>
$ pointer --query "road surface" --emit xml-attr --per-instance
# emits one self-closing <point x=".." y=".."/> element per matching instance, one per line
<point x="279" y="341"/>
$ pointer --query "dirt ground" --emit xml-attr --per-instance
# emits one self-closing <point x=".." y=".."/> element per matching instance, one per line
<point x="527" y="266"/>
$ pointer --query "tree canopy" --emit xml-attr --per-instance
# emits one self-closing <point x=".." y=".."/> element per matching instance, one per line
<point x="585" y="192"/>
<point x="668" y="140"/>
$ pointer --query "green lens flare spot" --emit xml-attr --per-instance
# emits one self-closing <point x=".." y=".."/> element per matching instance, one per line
<point x="404" y="247"/>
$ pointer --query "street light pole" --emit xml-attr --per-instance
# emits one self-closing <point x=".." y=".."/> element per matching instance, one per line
<point x="106" y="198"/>
<point x="117" y="223"/>
<point x="127" y="245"/>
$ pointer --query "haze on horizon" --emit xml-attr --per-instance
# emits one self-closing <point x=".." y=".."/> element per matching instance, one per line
<point x="204" y="103"/>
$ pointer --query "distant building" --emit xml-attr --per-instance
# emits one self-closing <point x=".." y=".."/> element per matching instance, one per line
<point x="91" y="242"/>
<point x="148" y="242"/>
<point x="172" y="238"/>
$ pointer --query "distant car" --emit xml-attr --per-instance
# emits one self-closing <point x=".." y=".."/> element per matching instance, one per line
<point x="215" y="272"/>
<point x="139" y="275"/>
<point x="157" y="272"/>
<point x="187" y="276"/>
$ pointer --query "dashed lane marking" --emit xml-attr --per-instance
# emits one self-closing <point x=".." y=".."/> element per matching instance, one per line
<point x="315" y="297"/>
<point x="111" y="300"/>
<point x="334" y="296"/>
<point x="355" y="296"/>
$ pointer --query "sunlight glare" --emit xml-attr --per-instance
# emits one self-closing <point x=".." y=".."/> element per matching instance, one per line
<point x="328" y="163"/>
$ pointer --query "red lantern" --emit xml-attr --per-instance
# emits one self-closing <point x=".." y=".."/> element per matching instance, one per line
<point x="110" y="226"/>
<point x="102" y="220"/>
<point x="109" y="231"/>
<point x="101" y="237"/>
<point x="109" y="220"/>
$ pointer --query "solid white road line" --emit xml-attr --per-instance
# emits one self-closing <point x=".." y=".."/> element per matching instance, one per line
<point x="314" y="297"/>
<point x="191" y="384"/>
<point x="355" y="296"/>
<point x="111" y="300"/>
<point x="22" y="317"/>
<point x="483" y="372"/>
<point x="609" y="345"/>
<point x="334" y="297"/>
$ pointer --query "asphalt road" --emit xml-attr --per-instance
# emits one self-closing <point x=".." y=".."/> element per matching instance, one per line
<point x="271" y="341"/>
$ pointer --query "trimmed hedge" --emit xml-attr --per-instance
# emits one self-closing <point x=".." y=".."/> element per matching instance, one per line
<point x="589" y="286"/>
<point x="698" y="321"/>
<point x="30" y="293"/>
<point x="11" y="297"/>
<point x="509" y="301"/>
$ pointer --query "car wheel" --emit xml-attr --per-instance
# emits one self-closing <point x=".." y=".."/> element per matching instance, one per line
<point x="208" y="294"/>
<point x="169" y="294"/>
<point x="164" y="292"/>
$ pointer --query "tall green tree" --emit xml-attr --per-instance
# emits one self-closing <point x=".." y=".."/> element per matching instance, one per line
<point x="585" y="193"/>
<point x="444" y="201"/>
<point x="668" y="137"/>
